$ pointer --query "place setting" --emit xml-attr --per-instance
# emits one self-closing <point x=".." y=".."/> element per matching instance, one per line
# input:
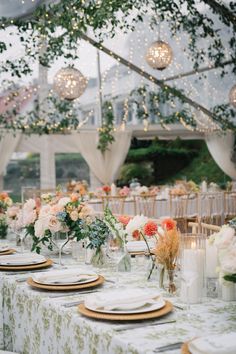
<point x="132" y="305"/>
<point x="24" y="261"/>
<point x="65" y="280"/>
<point x="5" y="250"/>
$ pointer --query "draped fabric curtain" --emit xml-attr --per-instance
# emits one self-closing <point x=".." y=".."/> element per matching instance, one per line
<point x="221" y="147"/>
<point x="104" y="166"/>
<point x="8" y="144"/>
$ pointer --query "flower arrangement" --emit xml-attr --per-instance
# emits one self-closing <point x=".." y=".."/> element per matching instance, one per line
<point x="124" y="192"/>
<point x="80" y="187"/>
<point x="60" y="214"/>
<point x="225" y="241"/>
<point x="106" y="189"/>
<point x="5" y="202"/>
<point x="167" y="250"/>
<point x="140" y="227"/>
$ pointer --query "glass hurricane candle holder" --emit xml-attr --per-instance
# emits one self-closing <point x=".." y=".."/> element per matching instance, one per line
<point x="192" y="259"/>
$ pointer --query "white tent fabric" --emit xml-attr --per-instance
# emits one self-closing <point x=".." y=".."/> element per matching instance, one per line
<point x="221" y="146"/>
<point x="104" y="166"/>
<point x="8" y="144"/>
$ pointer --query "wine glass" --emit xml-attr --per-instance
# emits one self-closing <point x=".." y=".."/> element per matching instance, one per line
<point x="114" y="253"/>
<point x="60" y="239"/>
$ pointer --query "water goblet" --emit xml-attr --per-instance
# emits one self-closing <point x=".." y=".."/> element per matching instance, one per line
<point x="114" y="253"/>
<point x="60" y="239"/>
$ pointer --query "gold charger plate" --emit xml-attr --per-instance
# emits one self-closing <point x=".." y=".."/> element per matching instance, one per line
<point x="184" y="349"/>
<point x="46" y="264"/>
<point x="94" y="283"/>
<point x="126" y="317"/>
<point x="5" y="253"/>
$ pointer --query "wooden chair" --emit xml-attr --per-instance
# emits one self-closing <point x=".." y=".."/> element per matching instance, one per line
<point x="183" y="208"/>
<point x="146" y="205"/>
<point x="203" y="228"/>
<point x="115" y="203"/>
<point x="229" y="205"/>
<point x="211" y="208"/>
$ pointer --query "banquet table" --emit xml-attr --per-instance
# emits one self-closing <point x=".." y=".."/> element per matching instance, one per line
<point x="34" y="321"/>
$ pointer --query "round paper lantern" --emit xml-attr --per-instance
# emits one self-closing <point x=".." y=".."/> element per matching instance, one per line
<point x="232" y="96"/>
<point x="69" y="83"/>
<point x="159" y="55"/>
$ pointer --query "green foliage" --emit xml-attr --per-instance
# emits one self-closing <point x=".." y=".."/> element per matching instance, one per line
<point x="149" y="105"/>
<point x="143" y="172"/>
<point x="105" y="132"/>
<point x="97" y="233"/>
<point x="230" y="277"/>
<point x="202" y="166"/>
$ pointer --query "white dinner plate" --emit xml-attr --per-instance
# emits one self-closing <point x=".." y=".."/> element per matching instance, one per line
<point x="4" y="248"/>
<point x="20" y="259"/>
<point x="65" y="277"/>
<point x="138" y="307"/>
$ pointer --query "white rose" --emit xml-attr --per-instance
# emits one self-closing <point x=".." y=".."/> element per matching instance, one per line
<point x="225" y="237"/>
<point x="136" y="224"/>
<point x="39" y="228"/>
<point x="29" y="204"/>
<point x="228" y="263"/>
<point x="64" y="201"/>
<point x="44" y="211"/>
<point x="29" y="217"/>
<point x="12" y="211"/>
<point x="54" y="224"/>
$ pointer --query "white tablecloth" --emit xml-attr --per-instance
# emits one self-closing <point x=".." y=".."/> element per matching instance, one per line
<point x="34" y="323"/>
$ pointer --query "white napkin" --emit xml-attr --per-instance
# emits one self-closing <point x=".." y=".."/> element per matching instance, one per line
<point x="64" y="276"/>
<point x="129" y="300"/>
<point x="4" y="247"/>
<point x="214" y="344"/>
<point x="22" y="259"/>
<point x="139" y="246"/>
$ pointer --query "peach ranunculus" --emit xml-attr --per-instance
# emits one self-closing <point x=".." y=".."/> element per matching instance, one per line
<point x="124" y="219"/>
<point x="74" y="215"/>
<point x="150" y="228"/>
<point x="3" y="195"/>
<point x="54" y="225"/>
<point x="168" y="224"/>
<point x="74" y="197"/>
<point x="106" y="189"/>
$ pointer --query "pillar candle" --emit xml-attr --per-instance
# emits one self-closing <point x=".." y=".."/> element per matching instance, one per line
<point x="193" y="262"/>
<point x="211" y="260"/>
<point x="113" y="190"/>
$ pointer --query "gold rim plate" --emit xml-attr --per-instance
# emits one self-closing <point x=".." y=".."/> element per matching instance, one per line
<point x="126" y="317"/>
<point x="46" y="264"/>
<point x="9" y="251"/>
<point x="60" y="287"/>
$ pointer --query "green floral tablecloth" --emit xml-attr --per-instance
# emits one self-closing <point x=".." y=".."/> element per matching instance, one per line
<point x="34" y="323"/>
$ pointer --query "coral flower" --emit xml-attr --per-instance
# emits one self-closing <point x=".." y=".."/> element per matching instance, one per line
<point x="150" y="228"/>
<point x="168" y="224"/>
<point x="106" y="189"/>
<point x="124" y="219"/>
<point x="74" y="197"/>
<point x="136" y="234"/>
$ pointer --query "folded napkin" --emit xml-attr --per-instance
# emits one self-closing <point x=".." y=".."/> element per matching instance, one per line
<point x="214" y="344"/>
<point x="68" y="276"/>
<point x="139" y="246"/>
<point x="4" y="248"/>
<point x="22" y="258"/>
<point x="130" y="300"/>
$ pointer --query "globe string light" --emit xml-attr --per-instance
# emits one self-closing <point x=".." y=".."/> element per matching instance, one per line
<point x="69" y="83"/>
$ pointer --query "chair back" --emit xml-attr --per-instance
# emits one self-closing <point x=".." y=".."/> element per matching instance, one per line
<point x="146" y="205"/>
<point x="114" y="203"/>
<point x="203" y="228"/>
